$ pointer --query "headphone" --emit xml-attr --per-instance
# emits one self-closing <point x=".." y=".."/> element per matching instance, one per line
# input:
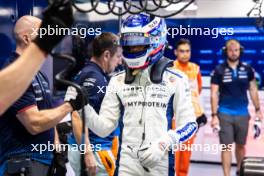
<point x="224" y="48"/>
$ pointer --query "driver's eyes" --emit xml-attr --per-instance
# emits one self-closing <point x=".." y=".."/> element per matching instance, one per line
<point x="135" y="49"/>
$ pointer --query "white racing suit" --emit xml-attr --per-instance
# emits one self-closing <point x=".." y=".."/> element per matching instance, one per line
<point x="144" y="111"/>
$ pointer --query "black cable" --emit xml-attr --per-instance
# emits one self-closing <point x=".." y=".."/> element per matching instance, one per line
<point x="260" y="9"/>
<point x="163" y="6"/>
<point x="257" y="6"/>
<point x="61" y="79"/>
<point x="175" y="13"/>
<point x="128" y="4"/>
<point x="154" y="2"/>
<point x="83" y="10"/>
<point x="253" y="8"/>
<point x="169" y="15"/>
<point x="172" y="1"/>
<point x="160" y="4"/>
<point x="126" y="10"/>
<point x="143" y="7"/>
<point x="110" y="7"/>
<point x="259" y="20"/>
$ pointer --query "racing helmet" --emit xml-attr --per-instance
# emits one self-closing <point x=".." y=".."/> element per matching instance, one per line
<point x="143" y="39"/>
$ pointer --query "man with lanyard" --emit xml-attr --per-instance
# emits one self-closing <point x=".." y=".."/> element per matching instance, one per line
<point x="229" y="84"/>
<point x="143" y="101"/>
<point x="192" y="70"/>
<point x="30" y="121"/>
<point x="106" y="56"/>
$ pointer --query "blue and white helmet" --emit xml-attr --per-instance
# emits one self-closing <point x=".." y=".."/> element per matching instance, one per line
<point x="145" y="31"/>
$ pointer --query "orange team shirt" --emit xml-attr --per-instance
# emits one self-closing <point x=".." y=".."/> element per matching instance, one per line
<point x="192" y="70"/>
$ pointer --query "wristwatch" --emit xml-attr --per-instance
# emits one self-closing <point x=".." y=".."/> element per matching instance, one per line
<point x="214" y="114"/>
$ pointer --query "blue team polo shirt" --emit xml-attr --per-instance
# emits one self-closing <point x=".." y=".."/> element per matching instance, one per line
<point x="233" y="85"/>
<point x="15" y="140"/>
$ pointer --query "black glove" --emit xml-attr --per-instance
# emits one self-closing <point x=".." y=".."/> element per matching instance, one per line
<point x="77" y="98"/>
<point x="257" y="128"/>
<point x="57" y="15"/>
<point x="201" y="120"/>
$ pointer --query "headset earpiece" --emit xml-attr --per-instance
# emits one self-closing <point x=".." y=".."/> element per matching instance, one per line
<point x="241" y="49"/>
<point x="224" y="49"/>
<point x="224" y="52"/>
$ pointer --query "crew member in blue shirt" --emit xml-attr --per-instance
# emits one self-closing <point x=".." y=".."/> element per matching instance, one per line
<point x="230" y="82"/>
<point x="29" y="122"/>
<point x="23" y="70"/>
<point x="106" y="56"/>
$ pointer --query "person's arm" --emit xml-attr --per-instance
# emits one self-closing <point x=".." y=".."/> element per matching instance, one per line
<point x="107" y="120"/>
<point x="16" y="77"/>
<point x="199" y="81"/>
<point x="214" y="98"/>
<point x="216" y="79"/>
<point x="36" y="121"/>
<point x="214" y="105"/>
<point x="150" y="156"/>
<point x="253" y="92"/>
<point x="184" y="113"/>
<point x="110" y="111"/>
<point x="56" y="140"/>
<point x="89" y="158"/>
<point x="77" y="126"/>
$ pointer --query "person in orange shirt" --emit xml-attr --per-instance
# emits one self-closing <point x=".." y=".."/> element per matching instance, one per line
<point x="183" y="54"/>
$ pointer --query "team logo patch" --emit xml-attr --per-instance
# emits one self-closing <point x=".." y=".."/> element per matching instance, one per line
<point x="172" y="79"/>
<point x="162" y="146"/>
<point x="93" y="80"/>
<point x="120" y="78"/>
<point x="242" y="68"/>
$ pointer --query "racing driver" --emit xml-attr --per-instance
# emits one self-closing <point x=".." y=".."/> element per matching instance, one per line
<point x="143" y="100"/>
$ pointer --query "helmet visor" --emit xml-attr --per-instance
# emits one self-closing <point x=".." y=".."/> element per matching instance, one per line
<point x="134" y="39"/>
<point x="135" y="51"/>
